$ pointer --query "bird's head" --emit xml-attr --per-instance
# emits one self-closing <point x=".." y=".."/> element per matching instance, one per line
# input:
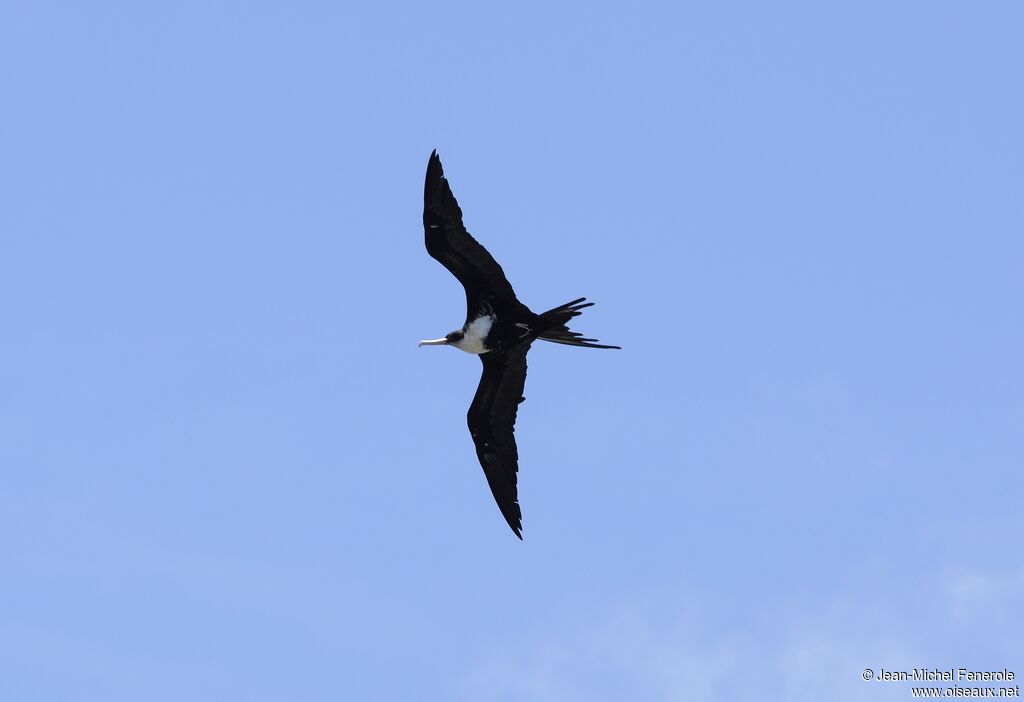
<point x="450" y="338"/>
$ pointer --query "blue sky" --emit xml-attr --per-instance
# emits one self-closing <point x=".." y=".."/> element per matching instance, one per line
<point x="228" y="472"/>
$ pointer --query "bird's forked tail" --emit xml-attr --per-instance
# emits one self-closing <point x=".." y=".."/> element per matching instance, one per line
<point x="559" y="333"/>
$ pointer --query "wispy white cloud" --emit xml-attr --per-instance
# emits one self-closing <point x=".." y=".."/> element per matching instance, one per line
<point x="971" y="591"/>
<point x="798" y="650"/>
<point x="624" y="654"/>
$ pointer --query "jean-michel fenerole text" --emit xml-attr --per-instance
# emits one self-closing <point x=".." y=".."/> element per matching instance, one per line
<point x="950" y="674"/>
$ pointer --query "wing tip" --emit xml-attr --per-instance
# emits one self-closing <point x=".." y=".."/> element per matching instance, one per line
<point x="435" y="187"/>
<point x="514" y="517"/>
<point x="434" y="163"/>
<point x="436" y="192"/>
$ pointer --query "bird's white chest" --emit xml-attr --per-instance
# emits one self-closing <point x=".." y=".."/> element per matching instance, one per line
<point x="473" y="338"/>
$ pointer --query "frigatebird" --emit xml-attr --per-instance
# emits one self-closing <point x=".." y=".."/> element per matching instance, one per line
<point x="499" y="329"/>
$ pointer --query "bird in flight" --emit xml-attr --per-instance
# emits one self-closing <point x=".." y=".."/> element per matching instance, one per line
<point x="499" y="329"/>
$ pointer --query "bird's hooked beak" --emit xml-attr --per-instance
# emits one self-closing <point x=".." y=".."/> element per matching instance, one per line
<point x="443" y="341"/>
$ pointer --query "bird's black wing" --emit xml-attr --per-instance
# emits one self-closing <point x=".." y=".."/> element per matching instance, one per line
<point x="492" y="420"/>
<point x="448" y="241"/>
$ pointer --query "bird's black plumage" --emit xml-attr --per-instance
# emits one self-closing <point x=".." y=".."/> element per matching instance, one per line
<point x="500" y="329"/>
<point x="492" y="420"/>
<point x="448" y="241"/>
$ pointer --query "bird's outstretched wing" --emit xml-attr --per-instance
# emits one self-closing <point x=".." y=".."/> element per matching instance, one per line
<point x="492" y="420"/>
<point x="448" y="241"/>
